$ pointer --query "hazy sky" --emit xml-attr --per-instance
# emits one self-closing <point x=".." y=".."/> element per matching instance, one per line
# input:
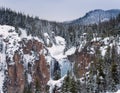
<point x="59" y="10"/>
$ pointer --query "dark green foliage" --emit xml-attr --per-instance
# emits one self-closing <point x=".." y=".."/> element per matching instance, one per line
<point x="37" y="86"/>
<point x="57" y="75"/>
<point x="70" y="85"/>
<point x="17" y="31"/>
<point x="65" y="86"/>
<point x="100" y="68"/>
<point x="100" y="79"/>
<point x="47" y="88"/>
<point x="114" y="72"/>
<point x="76" y="69"/>
<point x="78" y="86"/>
<point x="107" y="57"/>
<point x="73" y="86"/>
<point x="27" y="89"/>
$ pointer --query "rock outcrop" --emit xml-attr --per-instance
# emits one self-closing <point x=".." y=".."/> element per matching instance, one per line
<point x="33" y="75"/>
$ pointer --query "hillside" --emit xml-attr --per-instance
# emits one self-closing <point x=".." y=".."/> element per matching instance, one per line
<point x="96" y="16"/>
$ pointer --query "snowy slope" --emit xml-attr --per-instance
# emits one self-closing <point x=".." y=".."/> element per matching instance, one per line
<point x="9" y="43"/>
<point x="57" y="51"/>
<point x="96" y="16"/>
<point x="4" y="34"/>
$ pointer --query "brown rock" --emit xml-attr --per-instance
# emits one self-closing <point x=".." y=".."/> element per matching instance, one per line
<point x="39" y="70"/>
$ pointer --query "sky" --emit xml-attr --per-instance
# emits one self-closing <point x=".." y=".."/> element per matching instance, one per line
<point x="59" y="10"/>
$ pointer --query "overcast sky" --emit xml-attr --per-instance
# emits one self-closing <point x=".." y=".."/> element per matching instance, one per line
<point x="59" y="10"/>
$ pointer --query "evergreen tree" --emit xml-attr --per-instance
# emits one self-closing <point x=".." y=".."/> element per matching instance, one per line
<point x="70" y="85"/>
<point x="78" y="86"/>
<point x="114" y="77"/>
<point x="65" y="86"/>
<point x="37" y="86"/>
<point x="73" y="86"/>
<point x="114" y="73"/>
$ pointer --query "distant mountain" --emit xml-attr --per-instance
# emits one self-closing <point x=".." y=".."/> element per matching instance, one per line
<point x="96" y="16"/>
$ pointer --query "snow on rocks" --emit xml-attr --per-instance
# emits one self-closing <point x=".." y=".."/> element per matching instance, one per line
<point x="28" y="58"/>
<point x="53" y="83"/>
<point x="103" y="50"/>
<point x="9" y="44"/>
<point x="47" y="38"/>
<point x="2" y="76"/>
<point x="96" y="39"/>
<point x="29" y="78"/>
<point x="70" y="51"/>
<point x="118" y="91"/>
<point x="60" y="40"/>
<point x="114" y="92"/>
<point x="57" y="51"/>
<point x="5" y="32"/>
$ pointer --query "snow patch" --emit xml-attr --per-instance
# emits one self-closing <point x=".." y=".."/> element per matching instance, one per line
<point x="96" y="39"/>
<point x="29" y="78"/>
<point x="60" y="40"/>
<point x="118" y="91"/>
<point x="70" y="51"/>
<point x="53" y="83"/>
<point x="103" y="50"/>
<point x="57" y="51"/>
<point x="1" y="81"/>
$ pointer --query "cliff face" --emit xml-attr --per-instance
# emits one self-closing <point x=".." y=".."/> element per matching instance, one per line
<point x="82" y="61"/>
<point x="35" y="75"/>
<point x="26" y="66"/>
<point x="16" y="76"/>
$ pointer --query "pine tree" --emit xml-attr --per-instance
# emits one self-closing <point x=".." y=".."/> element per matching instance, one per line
<point x="57" y="75"/>
<point x="78" y="86"/>
<point x="65" y="86"/>
<point x="73" y="86"/>
<point x="70" y="85"/>
<point x="27" y="89"/>
<point x="100" y="77"/>
<point x="37" y="86"/>
<point x="114" y="73"/>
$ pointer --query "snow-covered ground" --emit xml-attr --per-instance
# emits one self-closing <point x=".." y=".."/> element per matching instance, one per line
<point x="114" y="92"/>
<point x="53" y="83"/>
<point x="118" y="91"/>
<point x="4" y="33"/>
<point x="58" y="50"/>
<point x="70" y="51"/>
